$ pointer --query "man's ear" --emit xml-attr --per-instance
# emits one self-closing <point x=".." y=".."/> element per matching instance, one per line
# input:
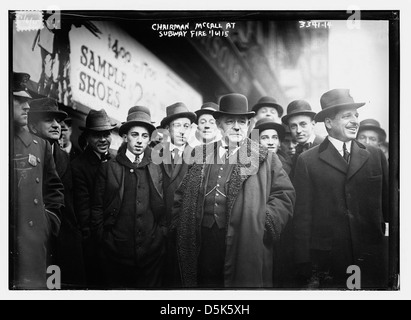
<point x="327" y="122"/>
<point x="33" y="127"/>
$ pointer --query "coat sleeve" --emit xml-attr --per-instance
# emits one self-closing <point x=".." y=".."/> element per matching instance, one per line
<point x="281" y="199"/>
<point x="97" y="208"/>
<point x="81" y="198"/>
<point x="385" y="189"/>
<point x="53" y="191"/>
<point x="303" y="213"/>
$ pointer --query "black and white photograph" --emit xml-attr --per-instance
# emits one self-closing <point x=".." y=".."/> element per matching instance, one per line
<point x="197" y="151"/>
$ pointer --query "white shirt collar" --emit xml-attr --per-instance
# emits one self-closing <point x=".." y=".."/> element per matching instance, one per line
<point x="338" y="144"/>
<point x="131" y="156"/>
<point x="222" y="150"/>
<point x="173" y="146"/>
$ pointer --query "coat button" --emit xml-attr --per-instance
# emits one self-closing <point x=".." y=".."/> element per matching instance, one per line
<point x="131" y="170"/>
<point x="37" y="180"/>
<point x="36" y="201"/>
<point x="31" y="223"/>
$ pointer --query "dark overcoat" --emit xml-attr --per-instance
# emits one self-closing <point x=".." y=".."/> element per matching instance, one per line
<point x="108" y="198"/>
<point x="260" y="201"/>
<point x="341" y="211"/>
<point x="68" y="246"/>
<point x="38" y="199"/>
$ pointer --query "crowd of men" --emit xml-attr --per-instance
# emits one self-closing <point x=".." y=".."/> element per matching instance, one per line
<point x="250" y="199"/>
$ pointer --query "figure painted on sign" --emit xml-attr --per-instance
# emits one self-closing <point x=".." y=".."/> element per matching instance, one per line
<point x="54" y="44"/>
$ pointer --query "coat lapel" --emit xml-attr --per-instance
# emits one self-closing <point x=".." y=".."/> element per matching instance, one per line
<point x="330" y="155"/>
<point x="25" y="137"/>
<point x="359" y="156"/>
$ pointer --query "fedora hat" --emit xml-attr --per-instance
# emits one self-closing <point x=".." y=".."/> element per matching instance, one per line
<point x="268" y="102"/>
<point x="206" y="108"/>
<point x="267" y="123"/>
<point x="233" y="104"/>
<point x="39" y="108"/>
<point x="98" y="121"/>
<point x="19" y="85"/>
<point x="335" y="100"/>
<point x="137" y="116"/>
<point x="176" y="111"/>
<point x="371" y="124"/>
<point x="296" y="108"/>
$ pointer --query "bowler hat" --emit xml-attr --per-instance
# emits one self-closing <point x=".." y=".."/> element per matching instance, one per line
<point x="268" y="102"/>
<point x="371" y="124"/>
<point x="20" y="80"/>
<point x="335" y="100"/>
<point x="267" y="123"/>
<point x="98" y="121"/>
<point x="233" y="104"/>
<point x="137" y="116"/>
<point x="296" y="108"/>
<point x="40" y="108"/>
<point x="176" y="111"/>
<point x="206" y="108"/>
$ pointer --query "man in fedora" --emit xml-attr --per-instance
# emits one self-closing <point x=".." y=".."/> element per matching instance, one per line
<point x="128" y="213"/>
<point x="45" y="121"/>
<point x="271" y="135"/>
<point x="371" y="133"/>
<point x="38" y="197"/>
<point x="341" y="208"/>
<point x="231" y="208"/>
<point x="170" y="155"/>
<point x="97" y="133"/>
<point x="207" y="131"/>
<point x="300" y="120"/>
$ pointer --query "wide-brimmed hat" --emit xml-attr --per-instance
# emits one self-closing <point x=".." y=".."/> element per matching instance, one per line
<point x="267" y="123"/>
<point x="98" y="121"/>
<point x="268" y="102"/>
<point x="137" y="116"/>
<point x="176" y="111"/>
<point x="40" y="108"/>
<point x="206" y="108"/>
<point x="19" y="85"/>
<point x="233" y="104"/>
<point x="371" y="124"/>
<point x="335" y="100"/>
<point x="297" y="108"/>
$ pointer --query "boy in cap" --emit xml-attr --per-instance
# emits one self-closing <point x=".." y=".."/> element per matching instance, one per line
<point x="341" y="210"/>
<point x="97" y="133"/>
<point x="232" y="207"/>
<point x="45" y="121"/>
<point x="371" y="133"/>
<point x="128" y="209"/>
<point x="38" y="197"/>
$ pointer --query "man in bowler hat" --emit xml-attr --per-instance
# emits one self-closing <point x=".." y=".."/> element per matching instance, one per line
<point x="38" y="197"/>
<point x="300" y="120"/>
<point x="170" y="155"/>
<point x="45" y="121"/>
<point x="371" y="133"/>
<point x="207" y="131"/>
<point x="97" y="132"/>
<point x="128" y="213"/>
<point x="231" y="208"/>
<point x="341" y="210"/>
<point x="271" y="135"/>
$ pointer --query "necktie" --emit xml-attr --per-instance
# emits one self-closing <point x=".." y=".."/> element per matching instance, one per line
<point x="346" y="153"/>
<point x="176" y="156"/>
<point x="136" y="160"/>
<point x="302" y="148"/>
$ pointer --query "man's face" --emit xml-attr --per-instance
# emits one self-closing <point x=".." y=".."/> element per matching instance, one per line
<point x="20" y="111"/>
<point x="233" y="128"/>
<point x="345" y="125"/>
<point x="268" y="112"/>
<point x="269" y="138"/>
<point x="66" y="136"/>
<point x="48" y="128"/>
<point x="99" y="141"/>
<point x="207" y="127"/>
<point x="179" y="130"/>
<point x="301" y="127"/>
<point x="289" y="145"/>
<point x="369" y="137"/>
<point x="137" y="139"/>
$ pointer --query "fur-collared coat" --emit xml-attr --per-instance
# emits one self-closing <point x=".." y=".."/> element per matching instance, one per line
<point x="260" y="201"/>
